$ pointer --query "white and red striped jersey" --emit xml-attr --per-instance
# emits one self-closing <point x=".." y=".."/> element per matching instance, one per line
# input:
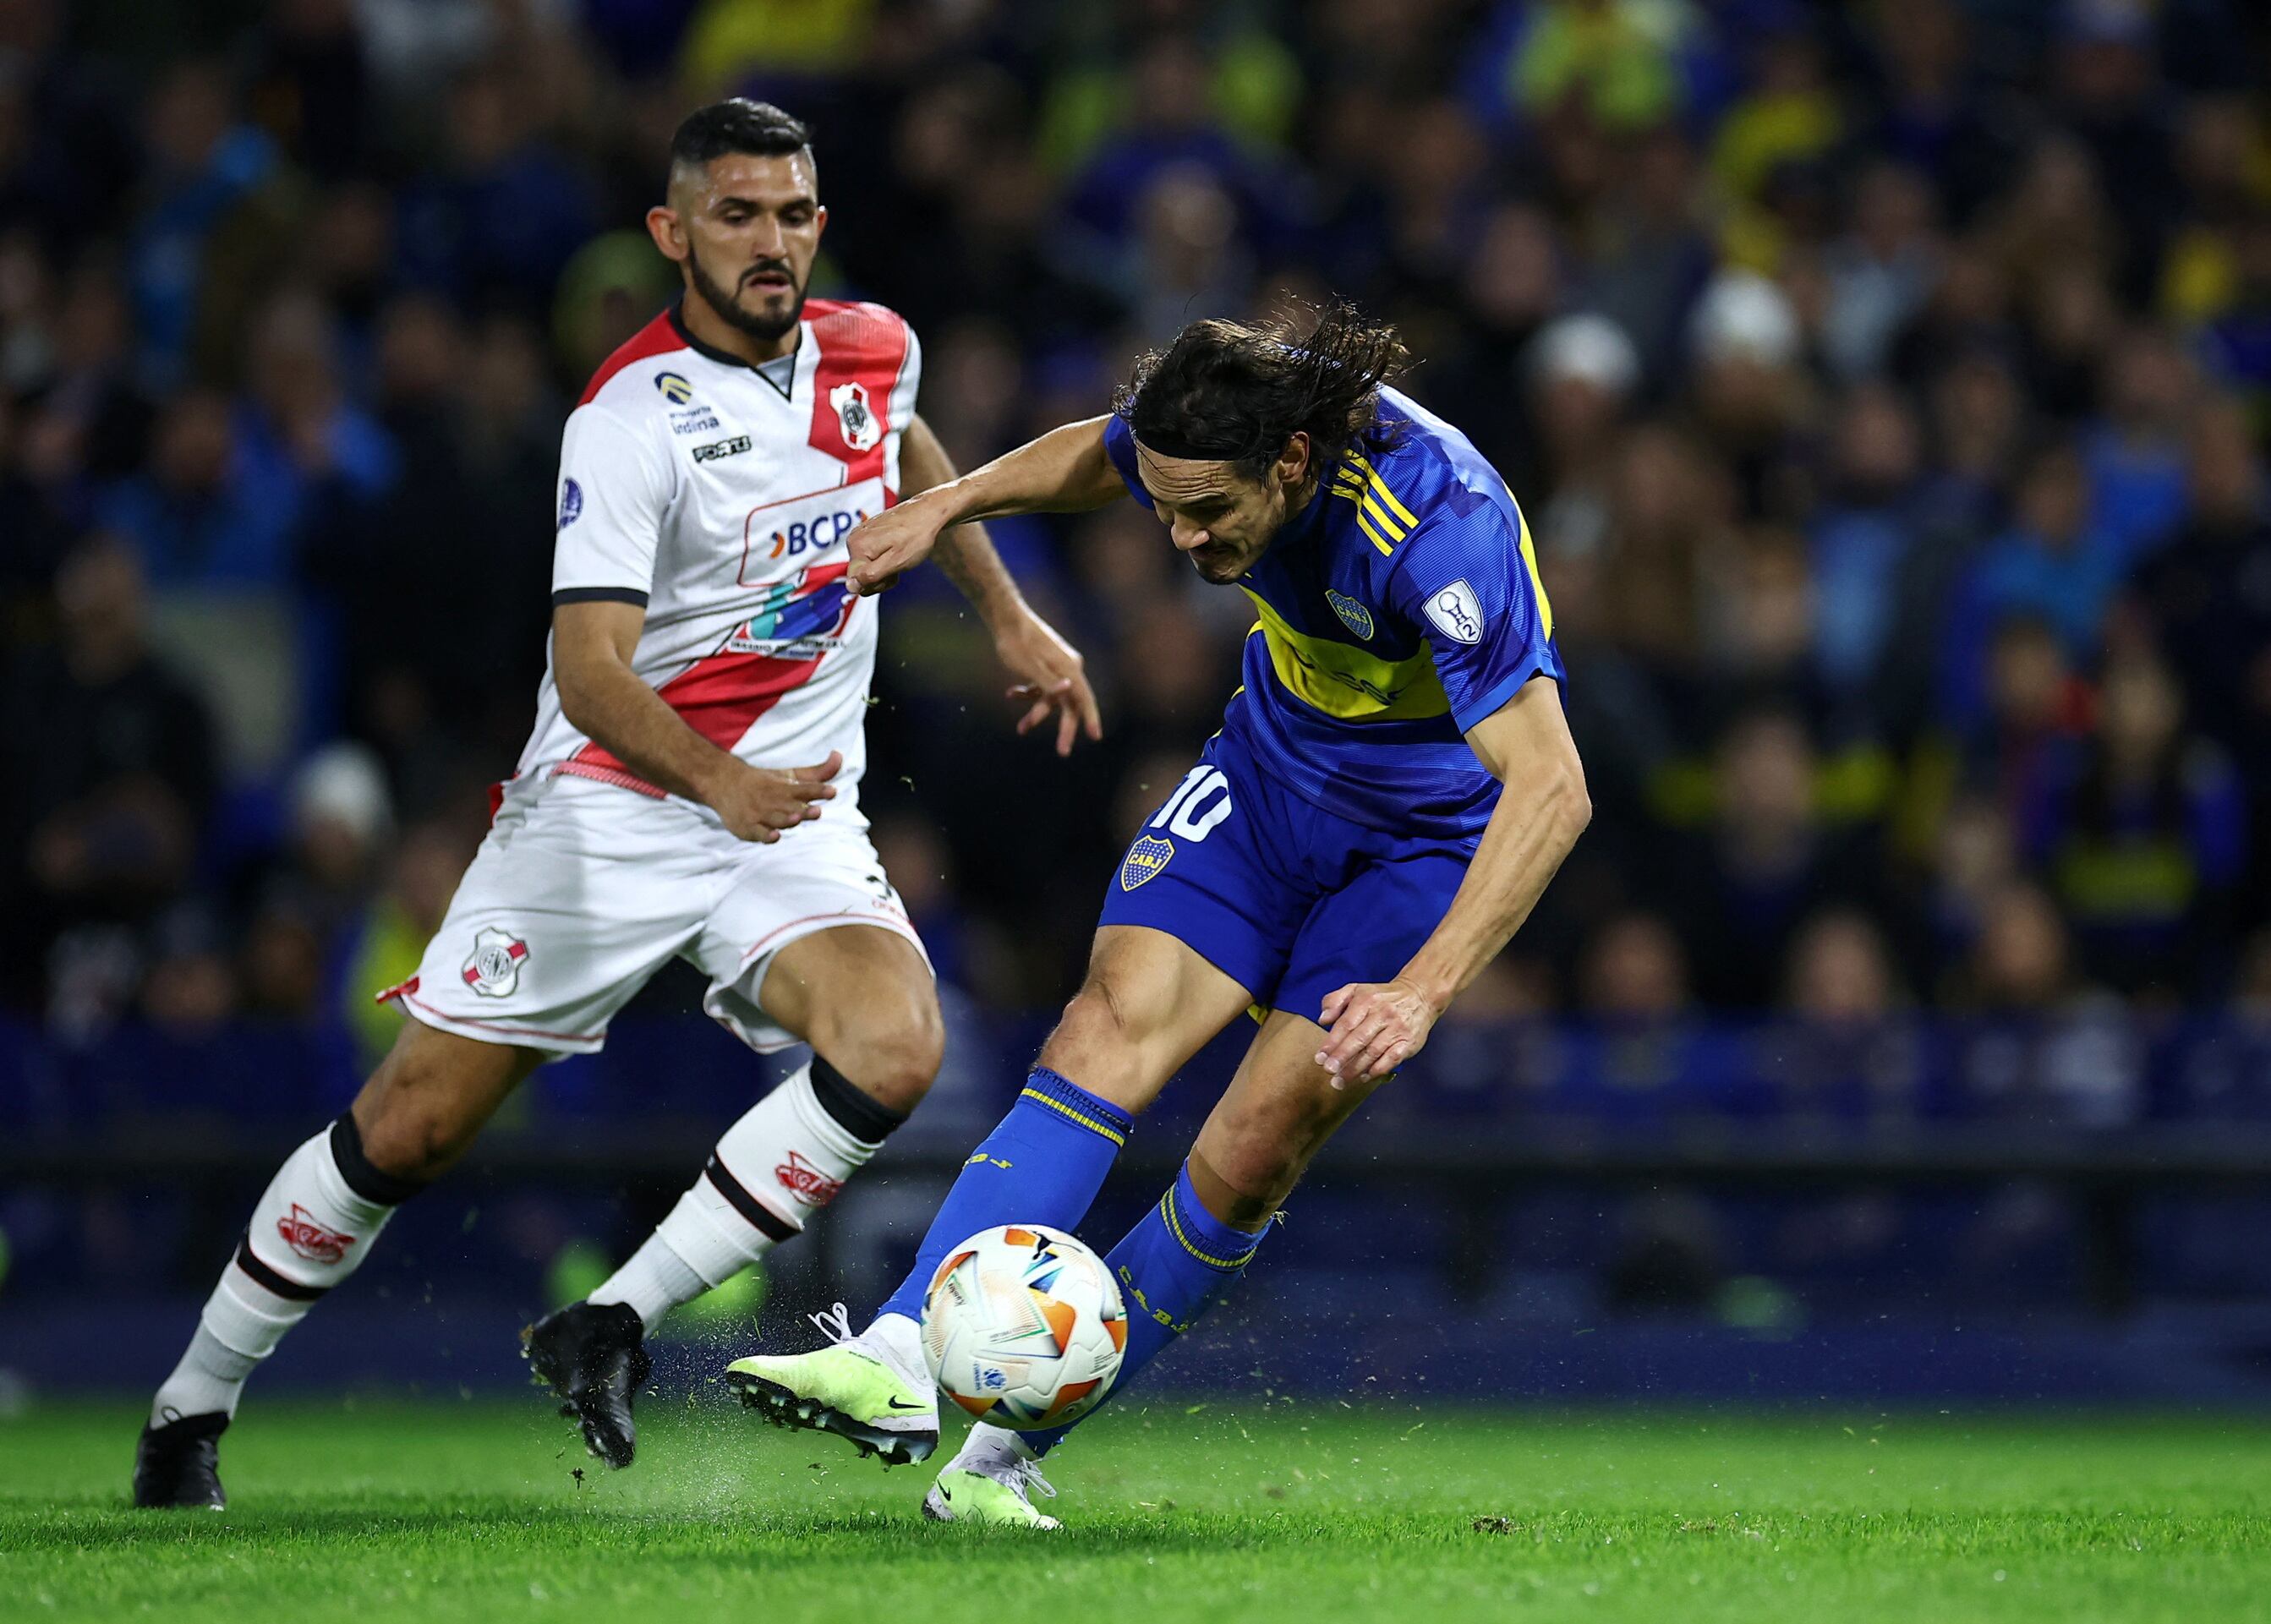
<point x="718" y="495"/>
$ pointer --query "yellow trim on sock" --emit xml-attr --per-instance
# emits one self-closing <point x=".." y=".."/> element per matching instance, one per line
<point x="1085" y="1121"/>
<point x="1176" y="1228"/>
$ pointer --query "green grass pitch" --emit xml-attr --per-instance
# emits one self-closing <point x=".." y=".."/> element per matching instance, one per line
<point x="1313" y="1512"/>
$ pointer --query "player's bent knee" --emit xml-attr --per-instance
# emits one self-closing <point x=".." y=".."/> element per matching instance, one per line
<point x="892" y="1056"/>
<point x="407" y="1138"/>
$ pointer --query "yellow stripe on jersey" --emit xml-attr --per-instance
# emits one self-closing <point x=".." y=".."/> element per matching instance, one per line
<point x="1346" y="682"/>
<point x="1379" y="487"/>
<point x="1537" y="585"/>
<point x="1390" y="519"/>
<point x="1362" y="523"/>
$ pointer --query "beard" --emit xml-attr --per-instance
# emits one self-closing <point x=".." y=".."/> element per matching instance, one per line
<point x="729" y="310"/>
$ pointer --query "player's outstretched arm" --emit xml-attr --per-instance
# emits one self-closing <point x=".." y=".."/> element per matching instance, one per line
<point x="1048" y="672"/>
<point x="1375" y="1027"/>
<point x="1065" y="471"/>
<point x="602" y="696"/>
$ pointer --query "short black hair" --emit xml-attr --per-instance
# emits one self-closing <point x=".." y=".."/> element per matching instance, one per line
<point x="1225" y="391"/>
<point x="740" y="125"/>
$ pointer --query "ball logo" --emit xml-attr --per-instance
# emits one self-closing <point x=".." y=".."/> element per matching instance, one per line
<point x="800" y="1179"/>
<point x="861" y="428"/>
<point x="1353" y="614"/>
<point x="571" y="503"/>
<point x="310" y="1239"/>
<point x="493" y="970"/>
<point x="674" y="389"/>
<point x="1456" y="613"/>
<point x="1144" y="860"/>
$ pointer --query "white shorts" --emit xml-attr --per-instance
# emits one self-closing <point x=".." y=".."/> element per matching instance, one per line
<point x="581" y="891"/>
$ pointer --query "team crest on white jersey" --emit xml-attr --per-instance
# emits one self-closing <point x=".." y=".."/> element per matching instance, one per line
<point x="1457" y="612"/>
<point x="493" y="970"/>
<point x="852" y="413"/>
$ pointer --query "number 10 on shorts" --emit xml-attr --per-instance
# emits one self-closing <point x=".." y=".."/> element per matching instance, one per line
<point x="1199" y="805"/>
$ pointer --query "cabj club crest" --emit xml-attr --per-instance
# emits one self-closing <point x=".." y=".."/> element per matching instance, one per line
<point x="1144" y="859"/>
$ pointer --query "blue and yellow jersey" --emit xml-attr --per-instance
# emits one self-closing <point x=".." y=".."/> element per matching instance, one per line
<point x="1398" y="609"/>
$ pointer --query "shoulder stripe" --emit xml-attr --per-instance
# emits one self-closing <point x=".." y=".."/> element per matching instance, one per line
<point x="1372" y="477"/>
<point x="656" y="338"/>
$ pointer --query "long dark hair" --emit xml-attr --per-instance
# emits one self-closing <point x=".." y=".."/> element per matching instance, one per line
<point x="1225" y="391"/>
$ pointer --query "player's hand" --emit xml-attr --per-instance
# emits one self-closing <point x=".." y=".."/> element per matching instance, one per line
<point x="1050" y="677"/>
<point x="1373" y="1027"/>
<point x="893" y="542"/>
<point x="756" y="803"/>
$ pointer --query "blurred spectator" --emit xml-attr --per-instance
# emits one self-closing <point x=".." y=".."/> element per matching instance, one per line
<point x="2143" y="838"/>
<point x="2209" y="594"/>
<point x="2061" y="565"/>
<point x="205" y="165"/>
<point x="1841" y="972"/>
<point x="1635" y="972"/>
<point x="497" y="223"/>
<point x="110" y="760"/>
<point x="1740" y="888"/>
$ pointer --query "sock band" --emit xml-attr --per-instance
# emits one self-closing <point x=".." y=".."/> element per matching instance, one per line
<point x="859" y="1114"/>
<point x="1061" y="1094"/>
<point x="1198" y="1232"/>
<point x="364" y="1179"/>
<point x="269" y="1280"/>
<point x="759" y="1217"/>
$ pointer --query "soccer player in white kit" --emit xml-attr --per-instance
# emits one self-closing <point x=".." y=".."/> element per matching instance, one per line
<point x="690" y="790"/>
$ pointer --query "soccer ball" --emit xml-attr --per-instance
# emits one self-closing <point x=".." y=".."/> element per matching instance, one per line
<point x="1023" y="1327"/>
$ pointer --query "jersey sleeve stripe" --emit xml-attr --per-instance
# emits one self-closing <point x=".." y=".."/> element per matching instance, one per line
<point x="599" y="594"/>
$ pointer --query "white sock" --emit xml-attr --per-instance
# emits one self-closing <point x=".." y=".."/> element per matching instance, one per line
<point x="774" y="1168"/>
<point x="310" y="1231"/>
<point x="210" y="1377"/>
<point x="990" y="1450"/>
<point x="653" y="1280"/>
<point x="899" y="1340"/>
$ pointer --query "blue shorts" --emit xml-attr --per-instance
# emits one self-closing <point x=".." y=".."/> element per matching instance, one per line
<point x="1290" y="901"/>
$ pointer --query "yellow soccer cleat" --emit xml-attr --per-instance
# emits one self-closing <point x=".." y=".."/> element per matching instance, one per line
<point x="857" y="1389"/>
<point x="998" y="1496"/>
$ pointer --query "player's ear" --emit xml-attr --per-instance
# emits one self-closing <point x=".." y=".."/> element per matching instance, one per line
<point x="669" y="232"/>
<point x="1294" y="461"/>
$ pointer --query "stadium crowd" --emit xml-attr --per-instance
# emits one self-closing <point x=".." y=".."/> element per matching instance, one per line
<point x="1885" y="386"/>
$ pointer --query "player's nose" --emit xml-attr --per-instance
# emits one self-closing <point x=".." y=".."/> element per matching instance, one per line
<point x="1187" y="537"/>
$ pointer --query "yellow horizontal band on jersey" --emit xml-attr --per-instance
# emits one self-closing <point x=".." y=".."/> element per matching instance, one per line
<point x="1536" y="584"/>
<point x="1346" y="682"/>
<point x="1183" y="1240"/>
<point x="1082" y="1117"/>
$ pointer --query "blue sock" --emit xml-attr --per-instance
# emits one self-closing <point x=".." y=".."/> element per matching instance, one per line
<point x="1043" y="1164"/>
<point x="1170" y="1267"/>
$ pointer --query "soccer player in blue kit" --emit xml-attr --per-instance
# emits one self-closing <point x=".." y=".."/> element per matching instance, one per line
<point x="1391" y="790"/>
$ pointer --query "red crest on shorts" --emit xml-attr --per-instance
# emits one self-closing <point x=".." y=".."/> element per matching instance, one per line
<point x="800" y="1179"/>
<point x="310" y="1239"/>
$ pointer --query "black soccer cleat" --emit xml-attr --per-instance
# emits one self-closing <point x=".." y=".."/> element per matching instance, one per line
<point x="594" y="1356"/>
<point x="178" y="1464"/>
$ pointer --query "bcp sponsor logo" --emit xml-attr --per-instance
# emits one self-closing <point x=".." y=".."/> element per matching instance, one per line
<point x="814" y="534"/>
